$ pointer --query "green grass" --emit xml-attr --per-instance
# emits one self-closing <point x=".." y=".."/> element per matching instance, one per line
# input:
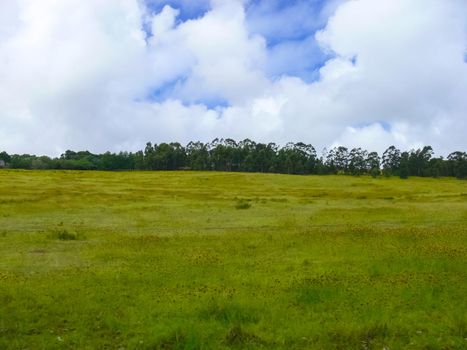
<point x="166" y="260"/>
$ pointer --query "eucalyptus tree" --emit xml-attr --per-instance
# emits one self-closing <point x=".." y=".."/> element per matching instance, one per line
<point x="221" y="153"/>
<point x="418" y="161"/>
<point x="306" y="155"/>
<point x="149" y="162"/>
<point x="457" y="164"/>
<point x="391" y="161"/>
<point x="338" y="159"/>
<point x="357" y="161"/>
<point x="5" y="157"/>
<point x="373" y="162"/>
<point x="404" y="165"/>
<point x="247" y="149"/>
<point x="262" y="158"/>
<point x="197" y="155"/>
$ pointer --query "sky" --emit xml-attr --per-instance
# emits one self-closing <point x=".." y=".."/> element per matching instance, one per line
<point x="115" y="74"/>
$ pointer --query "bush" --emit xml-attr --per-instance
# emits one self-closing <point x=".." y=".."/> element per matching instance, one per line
<point x="65" y="235"/>
<point x="242" y="204"/>
<point x="375" y="172"/>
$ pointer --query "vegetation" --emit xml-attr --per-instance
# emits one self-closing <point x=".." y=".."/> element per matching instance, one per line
<point x="249" y="156"/>
<point x="165" y="260"/>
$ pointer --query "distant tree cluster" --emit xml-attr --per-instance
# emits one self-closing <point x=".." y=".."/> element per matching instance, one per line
<point x="250" y="156"/>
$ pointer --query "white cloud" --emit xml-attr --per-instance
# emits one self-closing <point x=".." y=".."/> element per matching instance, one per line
<point x="226" y="60"/>
<point x="409" y="65"/>
<point x="164" y="22"/>
<point x="75" y="74"/>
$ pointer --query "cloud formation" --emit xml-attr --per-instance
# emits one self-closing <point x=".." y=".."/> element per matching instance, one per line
<point x="113" y="74"/>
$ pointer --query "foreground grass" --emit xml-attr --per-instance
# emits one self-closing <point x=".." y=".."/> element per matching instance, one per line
<point x="157" y="260"/>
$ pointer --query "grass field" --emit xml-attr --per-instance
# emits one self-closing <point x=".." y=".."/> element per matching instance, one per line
<point x="194" y="260"/>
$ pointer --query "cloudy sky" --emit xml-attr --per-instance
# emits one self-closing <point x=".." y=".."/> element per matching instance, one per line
<point x="114" y="74"/>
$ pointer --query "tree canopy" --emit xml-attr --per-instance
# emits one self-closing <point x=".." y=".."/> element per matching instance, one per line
<point x="250" y="156"/>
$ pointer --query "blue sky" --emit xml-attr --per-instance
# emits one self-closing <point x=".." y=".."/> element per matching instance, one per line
<point x="188" y="9"/>
<point x="112" y="75"/>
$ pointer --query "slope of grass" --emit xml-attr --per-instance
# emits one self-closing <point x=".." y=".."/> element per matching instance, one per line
<point x="193" y="260"/>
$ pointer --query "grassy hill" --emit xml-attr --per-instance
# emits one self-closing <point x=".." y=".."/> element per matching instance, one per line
<point x="194" y="260"/>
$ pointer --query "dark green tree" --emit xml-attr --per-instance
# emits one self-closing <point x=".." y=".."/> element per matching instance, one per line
<point x="457" y="164"/>
<point x="149" y="154"/>
<point x="391" y="161"/>
<point x="373" y="164"/>
<point x="404" y="165"/>
<point x="5" y="157"/>
<point x="418" y="161"/>
<point x="357" y="161"/>
<point x="197" y="156"/>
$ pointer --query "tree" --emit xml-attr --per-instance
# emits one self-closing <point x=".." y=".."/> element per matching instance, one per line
<point x="418" y="161"/>
<point x="437" y="167"/>
<point x="404" y="165"/>
<point x="247" y="155"/>
<point x="219" y="155"/>
<point x="178" y="159"/>
<point x="247" y="151"/>
<point x="169" y="156"/>
<point x="457" y="164"/>
<point x="338" y="159"/>
<point x="149" y="162"/>
<point x="391" y="161"/>
<point x="296" y="158"/>
<point x="138" y="160"/>
<point x="357" y="161"/>
<point x="5" y="157"/>
<point x="373" y="164"/>
<point x="259" y="157"/>
<point x="197" y="156"/>
<point x="307" y="155"/>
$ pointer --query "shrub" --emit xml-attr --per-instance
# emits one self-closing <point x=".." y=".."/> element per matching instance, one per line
<point x="375" y="172"/>
<point x="65" y="235"/>
<point x="242" y="204"/>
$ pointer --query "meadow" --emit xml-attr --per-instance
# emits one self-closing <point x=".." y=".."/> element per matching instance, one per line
<point x="206" y="260"/>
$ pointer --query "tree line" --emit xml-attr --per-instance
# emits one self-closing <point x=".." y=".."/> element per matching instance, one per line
<point x="250" y="156"/>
